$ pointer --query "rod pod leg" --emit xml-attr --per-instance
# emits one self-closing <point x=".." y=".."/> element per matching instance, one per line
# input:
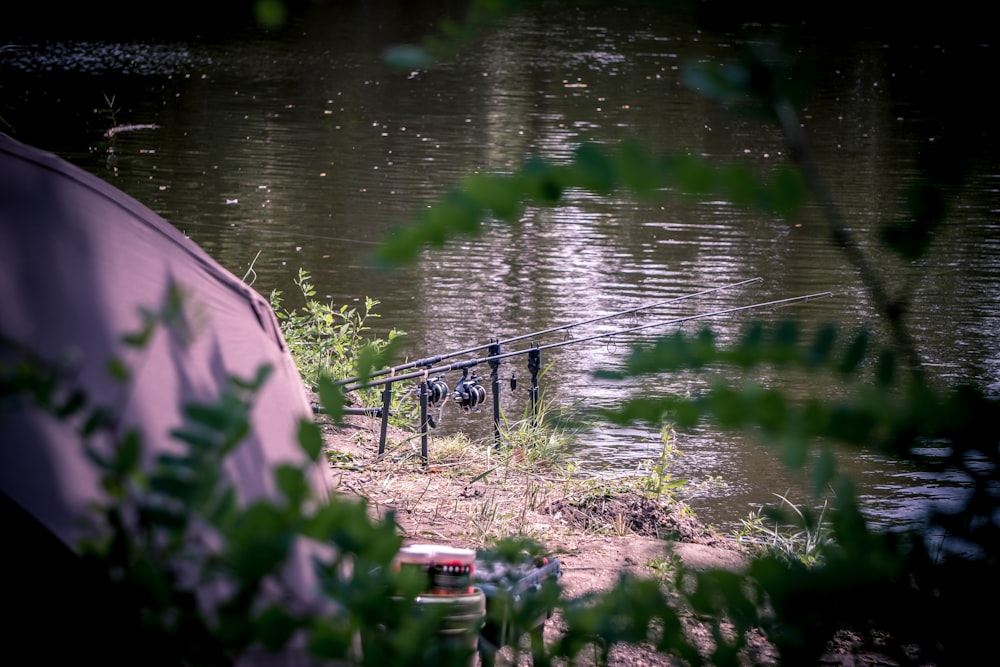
<point x="534" y="365"/>
<point x="386" y="402"/>
<point x="495" y="379"/>
<point x="424" y="422"/>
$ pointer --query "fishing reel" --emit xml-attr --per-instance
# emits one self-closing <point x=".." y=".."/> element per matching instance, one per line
<point x="437" y="391"/>
<point x="469" y="393"/>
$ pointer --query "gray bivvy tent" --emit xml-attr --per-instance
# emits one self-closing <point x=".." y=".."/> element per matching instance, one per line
<point x="79" y="260"/>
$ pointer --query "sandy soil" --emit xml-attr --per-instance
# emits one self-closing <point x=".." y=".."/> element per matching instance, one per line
<point x="595" y="537"/>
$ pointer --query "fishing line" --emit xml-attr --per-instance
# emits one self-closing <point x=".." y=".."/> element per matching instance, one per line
<point x="273" y="232"/>
<point x="356" y="383"/>
<point x="430" y="361"/>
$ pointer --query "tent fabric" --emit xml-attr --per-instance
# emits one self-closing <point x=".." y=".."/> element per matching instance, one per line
<point x="79" y="261"/>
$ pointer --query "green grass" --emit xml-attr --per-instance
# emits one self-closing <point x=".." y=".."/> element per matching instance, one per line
<point x="330" y="342"/>
<point x="786" y="532"/>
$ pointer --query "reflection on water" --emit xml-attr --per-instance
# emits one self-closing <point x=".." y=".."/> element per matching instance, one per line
<point x="305" y="149"/>
<point x="103" y="59"/>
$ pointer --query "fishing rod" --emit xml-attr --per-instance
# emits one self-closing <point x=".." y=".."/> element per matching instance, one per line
<point x="468" y="393"/>
<point x="430" y="361"/>
<point x="469" y="363"/>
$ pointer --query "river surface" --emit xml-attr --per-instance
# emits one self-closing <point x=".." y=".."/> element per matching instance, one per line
<point x="302" y="149"/>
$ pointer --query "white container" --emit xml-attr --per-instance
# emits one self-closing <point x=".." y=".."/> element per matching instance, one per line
<point x="449" y="569"/>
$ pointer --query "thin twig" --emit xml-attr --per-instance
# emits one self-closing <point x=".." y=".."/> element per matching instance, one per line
<point x="250" y="270"/>
<point x="893" y="308"/>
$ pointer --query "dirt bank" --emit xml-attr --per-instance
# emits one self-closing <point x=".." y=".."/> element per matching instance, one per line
<point x="596" y="536"/>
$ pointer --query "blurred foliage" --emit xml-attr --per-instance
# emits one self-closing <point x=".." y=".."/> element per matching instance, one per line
<point x="181" y="567"/>
<point x="503" y="197"/>
<point x="930" y="591"/>
<point x="913" y="585"/>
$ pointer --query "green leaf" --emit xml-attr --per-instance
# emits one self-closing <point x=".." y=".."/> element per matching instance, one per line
<point x="332" y="398"/>
<point x="346" y="524"/>
<point x="240" y="430"/>
<point x="270" y="14"/>
<point x="646" y="410"/>
<point x="274" y="627"/>
<point x="497" y="193"/>
<point x="693" y="175"/>
<point x="101" y="461"/>
<point x="118" y="369"/>
<point x="140" y="338"/>
<point x="739" y="185"/>
<point x="215" y="417"/>
<point x="822" y="347"/>
<point x="184" y="490"/>
<point x="727" y="407"/>
<point x="234" y="626"/>
<point x="787" y="333"/>
<point x="373" y="356"/>
<point x="928" y="207"/>
<point x="850" y="425"/>
<point x="541" y="181"/>
<point x="73" y="404"/>
<point x="727" y="83"/>
<point x="128" y="453"/>
<point x="173" y="519"/>
<point x="408" y="56"/>
<point x="772" y="411"/>
<point x="455" y="213"/>
<point x="855" y="353"/>
<point x="155" y="583"/>
<point x="198" y="440"/>
<point x="332" y="640"/>
<point x="174" y="464"/>
<point x="323" y="521"/>
<point x="292" y="483"/>
<point x="594" y="170"/>
<point x="255" y="383"/>
<point x="787" y="192"/>
<point x="815" y="417"/>
<point x="224" y="507"/>
<point x="686" y="413"/>
<point x="402" y="245"/>
<point x="886" y="368"/>
<point x="310" y="439"/>
<point x="824" y="470"/>
<point x="637" y="169"/>
<point x="259" y="541"/>
<point x="794" y="453"/>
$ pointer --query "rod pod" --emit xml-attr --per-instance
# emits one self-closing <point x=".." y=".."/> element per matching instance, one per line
<point x="533" y="360"/>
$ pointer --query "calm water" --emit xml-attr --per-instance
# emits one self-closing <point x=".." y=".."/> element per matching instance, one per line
<point x="303" y="149"/>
